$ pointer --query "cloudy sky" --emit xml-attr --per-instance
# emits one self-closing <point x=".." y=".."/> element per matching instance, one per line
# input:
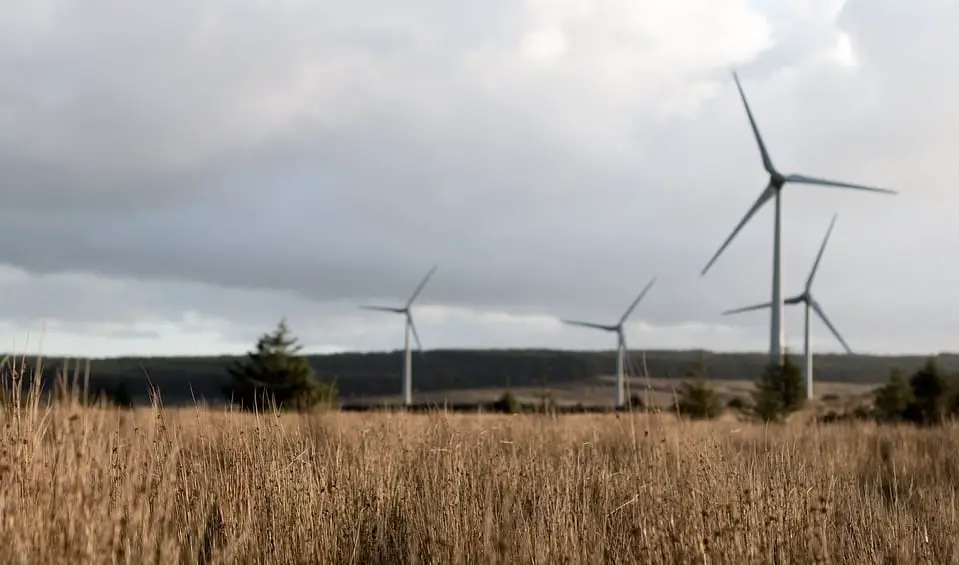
<point x="176" y="176"/>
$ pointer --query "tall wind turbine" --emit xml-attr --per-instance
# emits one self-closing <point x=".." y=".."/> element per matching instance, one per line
<point x="410" y="330"/>
<point x="807" y="299"/>
<point x="621" y="348"/>
<point x="772" y="192"/>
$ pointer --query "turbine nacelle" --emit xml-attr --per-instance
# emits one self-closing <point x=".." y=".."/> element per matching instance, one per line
<point x="776" y="181"/>
<point x="806" y="296"/>
<point x="406" y="309"/>
<point x="410" y="329"/>
<point x="772" y="191"/>
<point x="624" y="362"/>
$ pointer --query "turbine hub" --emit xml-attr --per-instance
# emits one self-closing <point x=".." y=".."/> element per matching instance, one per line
<point x="776" y="180"/>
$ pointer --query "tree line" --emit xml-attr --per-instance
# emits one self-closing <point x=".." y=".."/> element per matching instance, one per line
<point x="275" y="374"/>
<point x="182" y="380"/>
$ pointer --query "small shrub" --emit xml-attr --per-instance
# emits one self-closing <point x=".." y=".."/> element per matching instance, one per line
<point x="830" y="417"/>
<point x="738" y="404"/>
<point x="507" y="404"/>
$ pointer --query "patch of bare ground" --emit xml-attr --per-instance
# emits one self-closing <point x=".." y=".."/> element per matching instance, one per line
<point x="601" y="392"/>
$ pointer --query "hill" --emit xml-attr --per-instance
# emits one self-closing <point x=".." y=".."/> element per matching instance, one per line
<point x="364" y="375"/>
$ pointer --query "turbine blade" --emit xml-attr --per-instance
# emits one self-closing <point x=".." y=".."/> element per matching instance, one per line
<point x="748" y="308"/>
<point x="416" y="335"/>
<point x="815" y="266"/>
<point x="803" y="179"/>
<point x="383" y="309"/>
<point x="588" y="325"/>
<point x="635" y="302"/>
<point x="767" y="161"/>
<point x="421" y="285"/>
<point x="768" y="193"/>
<point x="822" y="316"/>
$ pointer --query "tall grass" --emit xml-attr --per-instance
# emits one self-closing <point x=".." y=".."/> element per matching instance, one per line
<point x="85" y="484"/>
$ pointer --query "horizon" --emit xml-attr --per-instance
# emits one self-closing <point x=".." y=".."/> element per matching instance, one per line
<point x="399" y="351"/>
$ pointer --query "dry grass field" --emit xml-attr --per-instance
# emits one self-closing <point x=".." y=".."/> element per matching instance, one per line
<point x="89" y="485"/>
<point x="602" y="392"/>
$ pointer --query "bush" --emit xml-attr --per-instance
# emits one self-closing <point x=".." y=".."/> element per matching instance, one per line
<point x="739" y="404"/>
<point x="927" y="399"/>
<point x="507" y="404"/>
<point x="275" y="374"/>
<point x="696" y="399"/>
<point x="862" y="413"/>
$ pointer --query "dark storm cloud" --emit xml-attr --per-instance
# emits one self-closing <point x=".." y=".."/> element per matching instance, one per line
<point x="339" y="152"/>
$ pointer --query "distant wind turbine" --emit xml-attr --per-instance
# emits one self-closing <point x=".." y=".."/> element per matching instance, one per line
<point x="772" y="192"/>
<point x="410" y="331"/>
<point x="807" y="298"/>
<point x="621" y="349"/>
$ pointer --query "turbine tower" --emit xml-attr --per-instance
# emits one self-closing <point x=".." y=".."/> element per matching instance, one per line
<point x="773" y="191"/>
<point x="807" y="299"/>
<point x="621" y="348"/>
<point x="410" y="331"/>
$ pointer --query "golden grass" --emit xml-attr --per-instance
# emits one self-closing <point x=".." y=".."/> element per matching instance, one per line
<point x="86" y="485"/>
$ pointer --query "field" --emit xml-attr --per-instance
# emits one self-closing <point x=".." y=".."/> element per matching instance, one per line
<point x="90" y="485"/>
<point x="601" y="391"/>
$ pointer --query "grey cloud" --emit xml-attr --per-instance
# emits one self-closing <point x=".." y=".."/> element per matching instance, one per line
<point x="337" y="154"/>
<point x="231" y="319"/>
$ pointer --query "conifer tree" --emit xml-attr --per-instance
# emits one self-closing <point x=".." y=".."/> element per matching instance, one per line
<point x="930" y="391"/>
<point x="696" y="397"/>
<point x="779" y="391"/>
<point x="275" y="374"/>
<point x="893" y="399"/>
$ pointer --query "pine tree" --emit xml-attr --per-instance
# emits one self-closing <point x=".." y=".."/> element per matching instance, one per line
<point x="893" y="398"/>
<point x="793" y="385"/>
<point x="767" y="399"/>
<point x="276" y="374"/>
<point x="930" y="394"/>
<point x="779" y="391"/>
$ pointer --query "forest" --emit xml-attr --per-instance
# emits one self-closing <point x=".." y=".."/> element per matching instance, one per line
<point x="182" y="380"/>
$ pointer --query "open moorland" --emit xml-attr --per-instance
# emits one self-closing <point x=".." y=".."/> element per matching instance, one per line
<point x="160" y="485"/>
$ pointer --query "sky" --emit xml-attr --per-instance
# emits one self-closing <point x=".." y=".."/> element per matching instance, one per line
<point x="177" y="176"/>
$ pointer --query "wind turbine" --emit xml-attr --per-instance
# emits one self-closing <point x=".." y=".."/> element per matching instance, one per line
<point x="621" y="349"/>
<point x="807" y="299"/>
<point x="410" y="330"/>
<point x="772" y="191"/>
